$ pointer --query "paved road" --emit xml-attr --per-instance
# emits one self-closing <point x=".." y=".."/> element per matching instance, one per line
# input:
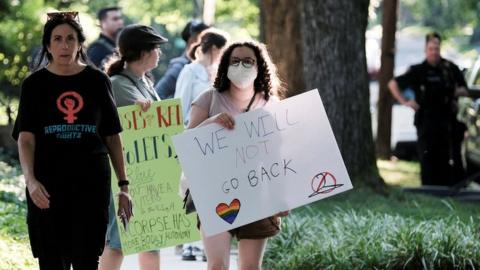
<point x="171" y="261"/>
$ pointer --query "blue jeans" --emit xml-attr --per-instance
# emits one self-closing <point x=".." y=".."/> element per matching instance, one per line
<point x="113" y="237"/>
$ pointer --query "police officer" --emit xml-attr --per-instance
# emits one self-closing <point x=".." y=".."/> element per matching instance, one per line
<point x="437" y="83"/>
<point x="111" y="22"/>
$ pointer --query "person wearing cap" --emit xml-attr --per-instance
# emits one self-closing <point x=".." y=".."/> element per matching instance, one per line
<point x="111" y="22"/>
<point x="166" y="86"/>
<point x="139" y="49"/>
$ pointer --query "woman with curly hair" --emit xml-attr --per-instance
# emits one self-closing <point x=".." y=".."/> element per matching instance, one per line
<point x="246" y="80"/>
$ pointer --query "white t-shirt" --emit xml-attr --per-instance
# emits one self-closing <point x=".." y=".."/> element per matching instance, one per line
<point x="192" y="81"/>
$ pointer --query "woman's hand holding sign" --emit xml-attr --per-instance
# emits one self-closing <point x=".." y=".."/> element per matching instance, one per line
<point x="283" y="213"/>
<point x="144" y="104"/>
<point x="224" y="119"/>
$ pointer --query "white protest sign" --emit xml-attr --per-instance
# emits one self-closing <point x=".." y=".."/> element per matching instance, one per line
<point x="277" y="158"/>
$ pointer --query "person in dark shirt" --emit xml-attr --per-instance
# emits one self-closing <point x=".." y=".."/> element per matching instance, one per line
<point x="437" y="84"/>
<point x="67" y="128"/>
<point x="111" y="22"/>
<point x="166" y="86"/>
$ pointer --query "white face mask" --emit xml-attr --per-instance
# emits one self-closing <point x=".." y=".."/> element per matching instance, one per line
<point x="241" y="76"/>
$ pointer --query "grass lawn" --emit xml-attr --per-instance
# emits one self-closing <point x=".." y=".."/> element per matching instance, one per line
<point x="400" y="173"/>
<point x="361" y="229"/>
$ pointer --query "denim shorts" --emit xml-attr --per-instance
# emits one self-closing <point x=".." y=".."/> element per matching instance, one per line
<point x="113" y="237"/>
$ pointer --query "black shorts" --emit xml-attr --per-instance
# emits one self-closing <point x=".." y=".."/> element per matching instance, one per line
<point x="259" y="229"/>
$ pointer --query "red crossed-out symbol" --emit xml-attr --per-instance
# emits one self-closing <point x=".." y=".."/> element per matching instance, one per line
<point x="70" y="103"/>
<point x="323" y="182"/>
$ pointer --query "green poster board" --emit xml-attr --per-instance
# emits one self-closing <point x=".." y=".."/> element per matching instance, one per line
<point x="154" y="174"/>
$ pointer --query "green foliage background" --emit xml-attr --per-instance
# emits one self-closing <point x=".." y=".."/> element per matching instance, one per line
<point x="449" y="17"/>
<point x="21" y="25"/>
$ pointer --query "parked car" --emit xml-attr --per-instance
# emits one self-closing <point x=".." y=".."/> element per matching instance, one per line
<point x="469" y="113"/>
<point x="403" y="140"/>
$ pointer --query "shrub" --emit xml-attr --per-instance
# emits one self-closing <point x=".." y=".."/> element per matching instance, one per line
<point x="352" y="240"/>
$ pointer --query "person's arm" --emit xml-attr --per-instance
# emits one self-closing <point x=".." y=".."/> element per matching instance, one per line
<point x="114" y="146"/>
<point x="396" y="93"/>
<point x="461" y="91"/>
<point x="109" y="129"/>
<point x="26" y="151"/>
<point x="199" y="117"/>
<point x="460" y="83"/>
<point x="24" y="131"/>
<point x="199" y="112"/>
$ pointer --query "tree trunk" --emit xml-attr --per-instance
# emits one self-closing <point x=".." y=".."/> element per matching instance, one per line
<point x="209" y="12"/>
<point x="324" y="42"/>
<point x="385" y="100"/>
<point x="280" y="25"/>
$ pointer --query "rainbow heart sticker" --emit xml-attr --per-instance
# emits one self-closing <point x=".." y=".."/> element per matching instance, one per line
<point x="228" y="212"/>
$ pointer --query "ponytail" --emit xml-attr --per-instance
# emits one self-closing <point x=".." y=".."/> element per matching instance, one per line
<point x="193" y="50"/>
<point x="115" y="66"/>
<point x="208" y="39"/>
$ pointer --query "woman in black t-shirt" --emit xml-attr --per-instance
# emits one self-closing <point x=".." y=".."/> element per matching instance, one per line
<point x="66" y="127"/>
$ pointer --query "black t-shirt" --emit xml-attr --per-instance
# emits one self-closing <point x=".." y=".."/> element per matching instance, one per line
<point x="67" y="114"/>
<point x="434" y="88"/>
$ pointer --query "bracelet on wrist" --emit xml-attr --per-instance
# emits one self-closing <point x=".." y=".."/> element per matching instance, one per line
<point x="122" y="183"/>
<point x="121" y="193"/>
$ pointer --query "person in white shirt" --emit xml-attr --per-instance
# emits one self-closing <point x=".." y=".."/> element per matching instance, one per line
<point x="197" y="77"/>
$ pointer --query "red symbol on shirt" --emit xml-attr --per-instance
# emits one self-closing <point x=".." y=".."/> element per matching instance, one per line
<point x="70" y="103"/>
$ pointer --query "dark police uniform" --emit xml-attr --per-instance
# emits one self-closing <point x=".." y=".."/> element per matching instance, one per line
<point x="100" y="50"/>
<point x="439" y="133"/>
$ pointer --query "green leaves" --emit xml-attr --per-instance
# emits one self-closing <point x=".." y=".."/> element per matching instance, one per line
<point x="14" y="248"/>
<point x="21" y="24"/>
<point x="449" y="17"/>
<point x="322" y="236"/>
<point x="21" y="31"/>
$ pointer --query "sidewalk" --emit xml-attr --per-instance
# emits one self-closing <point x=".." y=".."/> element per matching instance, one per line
<point x="168" y="260"/>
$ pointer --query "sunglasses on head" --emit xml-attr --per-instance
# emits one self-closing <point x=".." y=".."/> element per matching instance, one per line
<point x="71" y="15"/>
